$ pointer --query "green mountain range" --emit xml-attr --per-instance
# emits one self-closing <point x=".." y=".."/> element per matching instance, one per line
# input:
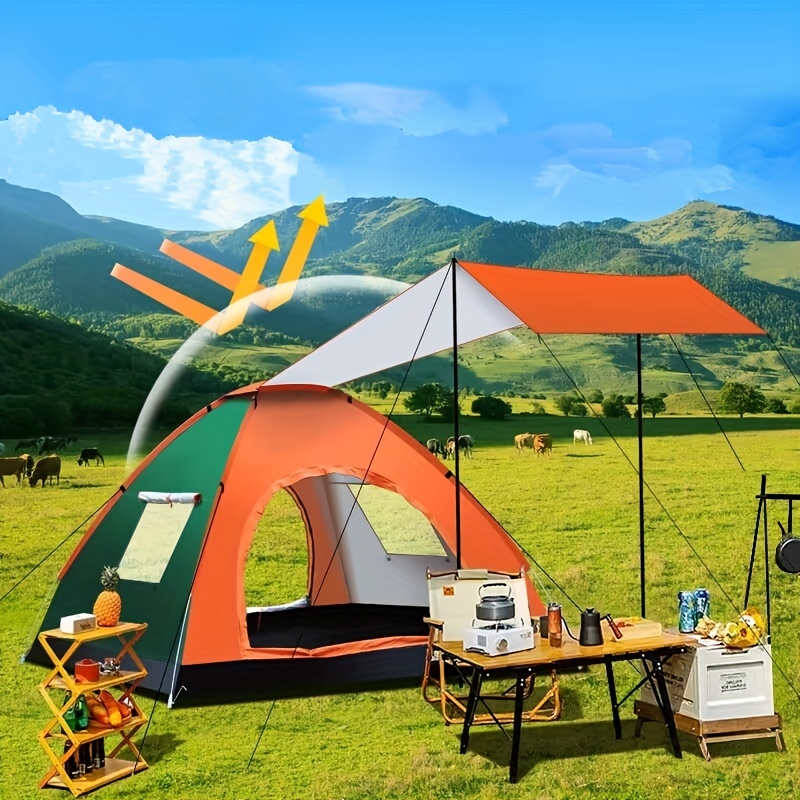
<point x="55" y="260"/>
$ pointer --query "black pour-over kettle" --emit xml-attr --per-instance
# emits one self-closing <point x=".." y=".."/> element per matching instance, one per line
<point x="591" y="634"/>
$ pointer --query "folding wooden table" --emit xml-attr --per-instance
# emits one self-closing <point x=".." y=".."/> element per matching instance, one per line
<point x="653" y="652"/>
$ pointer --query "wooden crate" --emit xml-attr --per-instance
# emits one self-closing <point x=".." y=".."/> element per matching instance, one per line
<point x="726" y="730"/>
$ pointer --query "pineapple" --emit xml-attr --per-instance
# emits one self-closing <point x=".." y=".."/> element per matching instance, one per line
<point x="108" y="606"/>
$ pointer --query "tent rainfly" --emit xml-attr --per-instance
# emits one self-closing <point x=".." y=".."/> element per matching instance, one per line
<point x="493" y="299"/>
<point x="182" y="563"/>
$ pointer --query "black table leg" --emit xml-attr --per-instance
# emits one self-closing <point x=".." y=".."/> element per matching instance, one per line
<point x="612" y="692"/>
<point x="666" y="706"/>
<point x="472" y="702"/>
<point x="519" y="697"/>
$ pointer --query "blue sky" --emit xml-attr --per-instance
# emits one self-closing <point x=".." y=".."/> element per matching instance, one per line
<point x="206" y="114"/>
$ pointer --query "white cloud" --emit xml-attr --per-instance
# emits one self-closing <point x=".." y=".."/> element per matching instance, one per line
<point x="593" y="148"/>
<point x="416" y="112"/>
<point x="568" y="193"/>
<point x="555" y="177"/>
<point x="716" y="179"/>
<point x="205" y="182"/>
<point x="590" y="156"/>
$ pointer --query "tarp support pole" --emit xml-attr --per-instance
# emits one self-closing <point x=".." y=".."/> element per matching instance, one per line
<point x="766" y="566"/>
<point x="761" y="507"/>
<point x="453" y="264"/>
<point x="641" y="472"/>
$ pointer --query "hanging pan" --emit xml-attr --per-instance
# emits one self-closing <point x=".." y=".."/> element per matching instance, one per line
<point x="787" y="553"/>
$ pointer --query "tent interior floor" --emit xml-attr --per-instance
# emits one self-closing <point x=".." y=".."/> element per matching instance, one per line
<point x="312" y="627"/>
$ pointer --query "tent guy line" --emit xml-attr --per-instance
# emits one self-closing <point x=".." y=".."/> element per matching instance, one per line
<point x="705" y="400"/>
<point x="57" y="547"/>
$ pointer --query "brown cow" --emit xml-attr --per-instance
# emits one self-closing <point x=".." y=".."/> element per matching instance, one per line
<point x="543" y="444"/>
<point x="12" y="466"/>
<point x="465" y="445"/>
<point x="16" y="465"/>
<point x="47" y="467"/>
<point x="523" y="440"/>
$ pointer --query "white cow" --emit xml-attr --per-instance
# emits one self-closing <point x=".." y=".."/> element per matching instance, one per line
<point x="581" y="436"/>
<point x="2" y="448"/>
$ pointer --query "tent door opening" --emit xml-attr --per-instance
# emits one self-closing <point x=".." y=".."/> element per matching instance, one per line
<point x="370" y="551"/>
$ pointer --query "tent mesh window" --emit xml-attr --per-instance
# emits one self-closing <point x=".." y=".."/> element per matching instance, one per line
<point x="400" y="528"/>
<point x="153" y="541"/>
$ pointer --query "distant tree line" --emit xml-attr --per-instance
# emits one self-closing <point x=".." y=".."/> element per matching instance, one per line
<point x="55" y="376"/>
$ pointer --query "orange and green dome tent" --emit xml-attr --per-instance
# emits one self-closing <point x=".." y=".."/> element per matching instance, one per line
<point x="182" y="565"/>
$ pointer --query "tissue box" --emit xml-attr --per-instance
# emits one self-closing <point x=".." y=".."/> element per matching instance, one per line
<point x="78" y="623"/>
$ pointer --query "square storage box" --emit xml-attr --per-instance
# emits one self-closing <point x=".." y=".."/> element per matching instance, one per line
<point x="716" y="683"/>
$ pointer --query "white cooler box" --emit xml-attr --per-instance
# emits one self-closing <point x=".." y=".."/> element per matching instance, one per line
<point x="715" y="683"/>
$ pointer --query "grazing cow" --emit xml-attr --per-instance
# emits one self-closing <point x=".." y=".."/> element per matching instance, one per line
<point x="543" y="444"/>
<point x="435" y="447"/>
<point x="89" y="453"/>
<point x="47" y="467"/>
<point x="17" y="466"/>
<point x="27" y="444"/>
<point x="581" y="436"/>
<point x="51" y="444"/>
<point x="523" y="440"/>
<point x="465" y="444"/>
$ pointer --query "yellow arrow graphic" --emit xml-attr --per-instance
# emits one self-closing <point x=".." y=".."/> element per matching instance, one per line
<point x="313" y="216"/>
<point x="264" y="241"/>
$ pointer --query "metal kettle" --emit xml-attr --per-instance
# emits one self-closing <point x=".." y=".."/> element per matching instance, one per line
<point x="591" y="633"/>
<point x="495" y="607"/>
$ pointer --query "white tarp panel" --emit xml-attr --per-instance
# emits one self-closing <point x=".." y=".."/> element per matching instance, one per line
<point x="373" y="575"/>
<point x="391" y="334"/>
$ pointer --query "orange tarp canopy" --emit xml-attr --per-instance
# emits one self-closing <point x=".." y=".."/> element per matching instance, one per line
<point x="550" y="301"/>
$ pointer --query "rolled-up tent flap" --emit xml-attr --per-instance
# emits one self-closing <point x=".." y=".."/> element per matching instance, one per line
<point x="170" y="497"/>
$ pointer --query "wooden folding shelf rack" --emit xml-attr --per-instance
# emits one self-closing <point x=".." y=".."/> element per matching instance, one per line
<point x="57" y="732"/>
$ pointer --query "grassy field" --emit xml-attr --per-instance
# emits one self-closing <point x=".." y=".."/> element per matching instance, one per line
<point x="772" y="261"/>
<point x="576" y="513"/>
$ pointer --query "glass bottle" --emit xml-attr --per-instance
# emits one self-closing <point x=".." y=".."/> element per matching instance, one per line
<point x="99" y="753"/>
<point x="85" y="757"/>
<point x="71" y="764"/>
<point x="81" y="714"/>
<point x="69" y="715"/>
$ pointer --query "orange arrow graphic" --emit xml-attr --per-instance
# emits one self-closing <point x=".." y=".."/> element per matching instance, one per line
<point x="313" y="216"/>
<point x="245" y="285"/>
<point x="191" y="309"/>
<point x="264" y="241"/>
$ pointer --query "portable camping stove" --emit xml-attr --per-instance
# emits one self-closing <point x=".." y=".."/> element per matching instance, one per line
<point x="499" y="639"/>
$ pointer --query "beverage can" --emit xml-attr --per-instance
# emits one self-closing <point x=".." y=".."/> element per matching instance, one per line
<point x="686" y="612"/>
<point x="702" y="604"/>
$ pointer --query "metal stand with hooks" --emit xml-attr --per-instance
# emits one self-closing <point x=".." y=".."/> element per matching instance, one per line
<point x="761" y="515"/>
